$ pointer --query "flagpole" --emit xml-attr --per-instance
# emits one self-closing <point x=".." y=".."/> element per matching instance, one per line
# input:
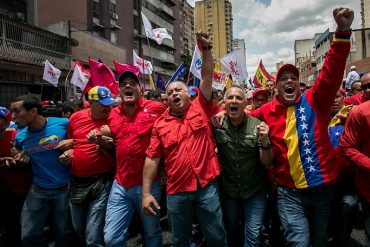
<point x="187" y="81"/>
<point x="66" y="87"/>
<point x="142" y="52"/>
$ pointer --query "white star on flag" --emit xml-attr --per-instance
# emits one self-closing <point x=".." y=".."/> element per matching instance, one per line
<point x="301" y="109"/>
<point x="311" y="168"/>
<point x="303" y="117"/>
<point x="309" y="159"/>
<point x="337" y="133"/>
<point x="308" y="151"/>
<point x="305" y="135"/>
<point x="306" y="142"/>
<point x="304" y="126"/>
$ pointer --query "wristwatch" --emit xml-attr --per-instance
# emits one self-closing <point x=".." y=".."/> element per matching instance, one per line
<point x="206" y="48"/>
<point x="268" y="146"/>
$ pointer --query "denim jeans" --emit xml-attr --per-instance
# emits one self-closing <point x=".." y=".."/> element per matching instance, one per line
<point x="121" y="206"/>
<point x="254" y="210"/>
<point x="366" y="209"/>
<point x="39" y="203"/>
<point x="88" y="218"/>
<point x="304" y="215"/>
<point x="206" y="204"/>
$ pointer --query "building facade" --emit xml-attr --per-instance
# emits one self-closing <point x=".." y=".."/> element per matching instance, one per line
<point x="365" y="13"/>
<point x="240" y="44"/>
<point x="215" y="17"/>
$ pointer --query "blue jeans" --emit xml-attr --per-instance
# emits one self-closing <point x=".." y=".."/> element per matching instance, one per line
<point x="366" y="209"/>
<point x="206" y="203"/>
<point x="88" y="218"/>
<point x="121" y="206"/>
<point x="39" y="203"/>
<point x="254" y="211"/>
<point x="303" y="213"/>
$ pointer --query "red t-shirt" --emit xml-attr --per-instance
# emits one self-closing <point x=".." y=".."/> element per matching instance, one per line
<point x="87" y="159"/>
<point x="17" y="179"/>
<point x="132" y="135"/>
<point x="356" y="99"/>
<point x="188" y="147"/>
<point x="355" y="145"/>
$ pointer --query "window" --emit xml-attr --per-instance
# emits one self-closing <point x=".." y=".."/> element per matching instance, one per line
<point x="96" y="9"/>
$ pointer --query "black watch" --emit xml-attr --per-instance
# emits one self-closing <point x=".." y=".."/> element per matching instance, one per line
<point x="268" y="146"/>
<point x="206" y="48"/>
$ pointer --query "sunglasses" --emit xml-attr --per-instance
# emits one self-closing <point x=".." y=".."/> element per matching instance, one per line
<point x="365" y="86"/>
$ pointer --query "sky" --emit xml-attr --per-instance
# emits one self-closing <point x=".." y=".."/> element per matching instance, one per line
<point x="269" y="27"/>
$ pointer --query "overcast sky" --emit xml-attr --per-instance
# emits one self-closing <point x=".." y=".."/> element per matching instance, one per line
<point x="269" y="27"/>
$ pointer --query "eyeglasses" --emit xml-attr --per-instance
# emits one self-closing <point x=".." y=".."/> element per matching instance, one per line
<point x="365" y="86"/>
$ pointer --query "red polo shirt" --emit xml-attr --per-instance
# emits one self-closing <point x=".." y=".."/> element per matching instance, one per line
<point x="87" y="159"/>
<point x="356" y="99"/>
<point x="132" y="136"/>
<point x="188" y="147"/>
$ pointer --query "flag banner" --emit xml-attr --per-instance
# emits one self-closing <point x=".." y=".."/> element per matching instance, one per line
<point x="157" y="34"/>
<point x="151" y="82"/>
<point x="228" y="83"/>
<point x="196" y="82"/>
<point x="144" y="65"/>
<point x="85" y="72"/>
<point x="219" y="80"/>
<point x="196" y="63"/>
<point x="51" y="74"/>
<point x="160" y="83"/>
<point x="78" y="78"/>
<point x="121" y="67"/>
<point x="261" y="76"/>
<point x="101" y="75"/>
<point x="160" y="34"/>
<point x="179" y="73"/>
<point x="235" y="65"/>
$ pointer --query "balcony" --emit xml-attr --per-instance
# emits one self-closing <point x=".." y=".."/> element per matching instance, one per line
<point x="23" y="43"/>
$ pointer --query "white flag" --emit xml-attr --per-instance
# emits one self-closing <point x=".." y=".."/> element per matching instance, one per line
<point x="144" y="65"/>
<point x="160" y="34"/>
<point x="147" y="26"/>
<point x="157" y="34"/>
<point x="78" y="78"/>
<point x="51" y="74"/>
<point x="235" y="65"/>
<point x="196" y="63"/>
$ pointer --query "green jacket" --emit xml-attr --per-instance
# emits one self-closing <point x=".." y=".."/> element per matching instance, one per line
<point x="243" y="173"/>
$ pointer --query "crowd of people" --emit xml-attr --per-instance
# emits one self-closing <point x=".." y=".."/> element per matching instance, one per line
<point x="285" y="165"/>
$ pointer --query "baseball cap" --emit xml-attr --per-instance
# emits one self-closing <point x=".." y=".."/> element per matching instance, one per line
<point x="258" y="92"/>
<point x="353" y="67"/>
<point x="287" y="67"/>
<point x="5" y="113"/>
<point x="131" y="71"/>
<point x="102" y="95"/>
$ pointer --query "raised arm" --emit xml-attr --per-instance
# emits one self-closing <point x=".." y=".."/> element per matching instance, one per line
<point x="207" y="65"/>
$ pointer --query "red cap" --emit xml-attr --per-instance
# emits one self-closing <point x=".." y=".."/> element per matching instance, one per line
<point x="287" y="67"/>
<point x="86" y="104"/>
<point x="260" y="91"/>
<point x="132" y="71"/>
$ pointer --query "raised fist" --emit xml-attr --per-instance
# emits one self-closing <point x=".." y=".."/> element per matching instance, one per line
<point x="344" y="18"/>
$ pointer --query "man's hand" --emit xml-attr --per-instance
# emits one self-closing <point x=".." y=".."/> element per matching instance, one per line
<point x="21" y="158"/>
<point x="65" y="145"/>
<point x="263" y="132"/>
<point x="344" y="18"/>
<point x="148" y="202"/>
<point x="7" y="162"/>
<point x="94" y="136"/>
<point x="67" y="157"/>
<point x="203" y="39"/>
<point x="218" y="119"/>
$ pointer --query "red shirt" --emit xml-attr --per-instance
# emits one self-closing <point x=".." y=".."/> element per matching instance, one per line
<point x="356" y="99"/>
<point x="132" y="136"/>
<point x="355" y="145"/>
<point x="188" y="147"/>
<point x="87" y="159"/>
<point x="18" y="180"/>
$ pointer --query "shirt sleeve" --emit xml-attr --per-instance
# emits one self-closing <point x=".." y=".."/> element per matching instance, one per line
<point x="206" y="106"/>
<point x="352" y="140"/>
<point x="155" y="147"/>
<point x="69" y="128"/>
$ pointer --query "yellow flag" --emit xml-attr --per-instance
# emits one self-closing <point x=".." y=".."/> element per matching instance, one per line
<point x="151" y="82"/>
<point x="228" y="83"/>
<point x="336" y="121"/>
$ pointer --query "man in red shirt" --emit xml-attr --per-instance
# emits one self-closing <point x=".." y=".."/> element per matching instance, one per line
<point x="130" y="126"/>
<point x="183" y="137"/>
<point x="364" y="95"/>
<point x="355" y="146"/>
<point x="92" y="168"/>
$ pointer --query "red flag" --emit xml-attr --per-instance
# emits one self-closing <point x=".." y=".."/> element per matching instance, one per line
<point x="121" y="67"/>
<point x="261" y="76"/>
<point x="101" y="75"/>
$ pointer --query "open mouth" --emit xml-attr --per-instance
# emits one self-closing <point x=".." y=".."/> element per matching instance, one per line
<point x="233" y="109"/>
<point x="129" y="93"/>
<point x="176" y="101"/>
<point x="289" y="90"/>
